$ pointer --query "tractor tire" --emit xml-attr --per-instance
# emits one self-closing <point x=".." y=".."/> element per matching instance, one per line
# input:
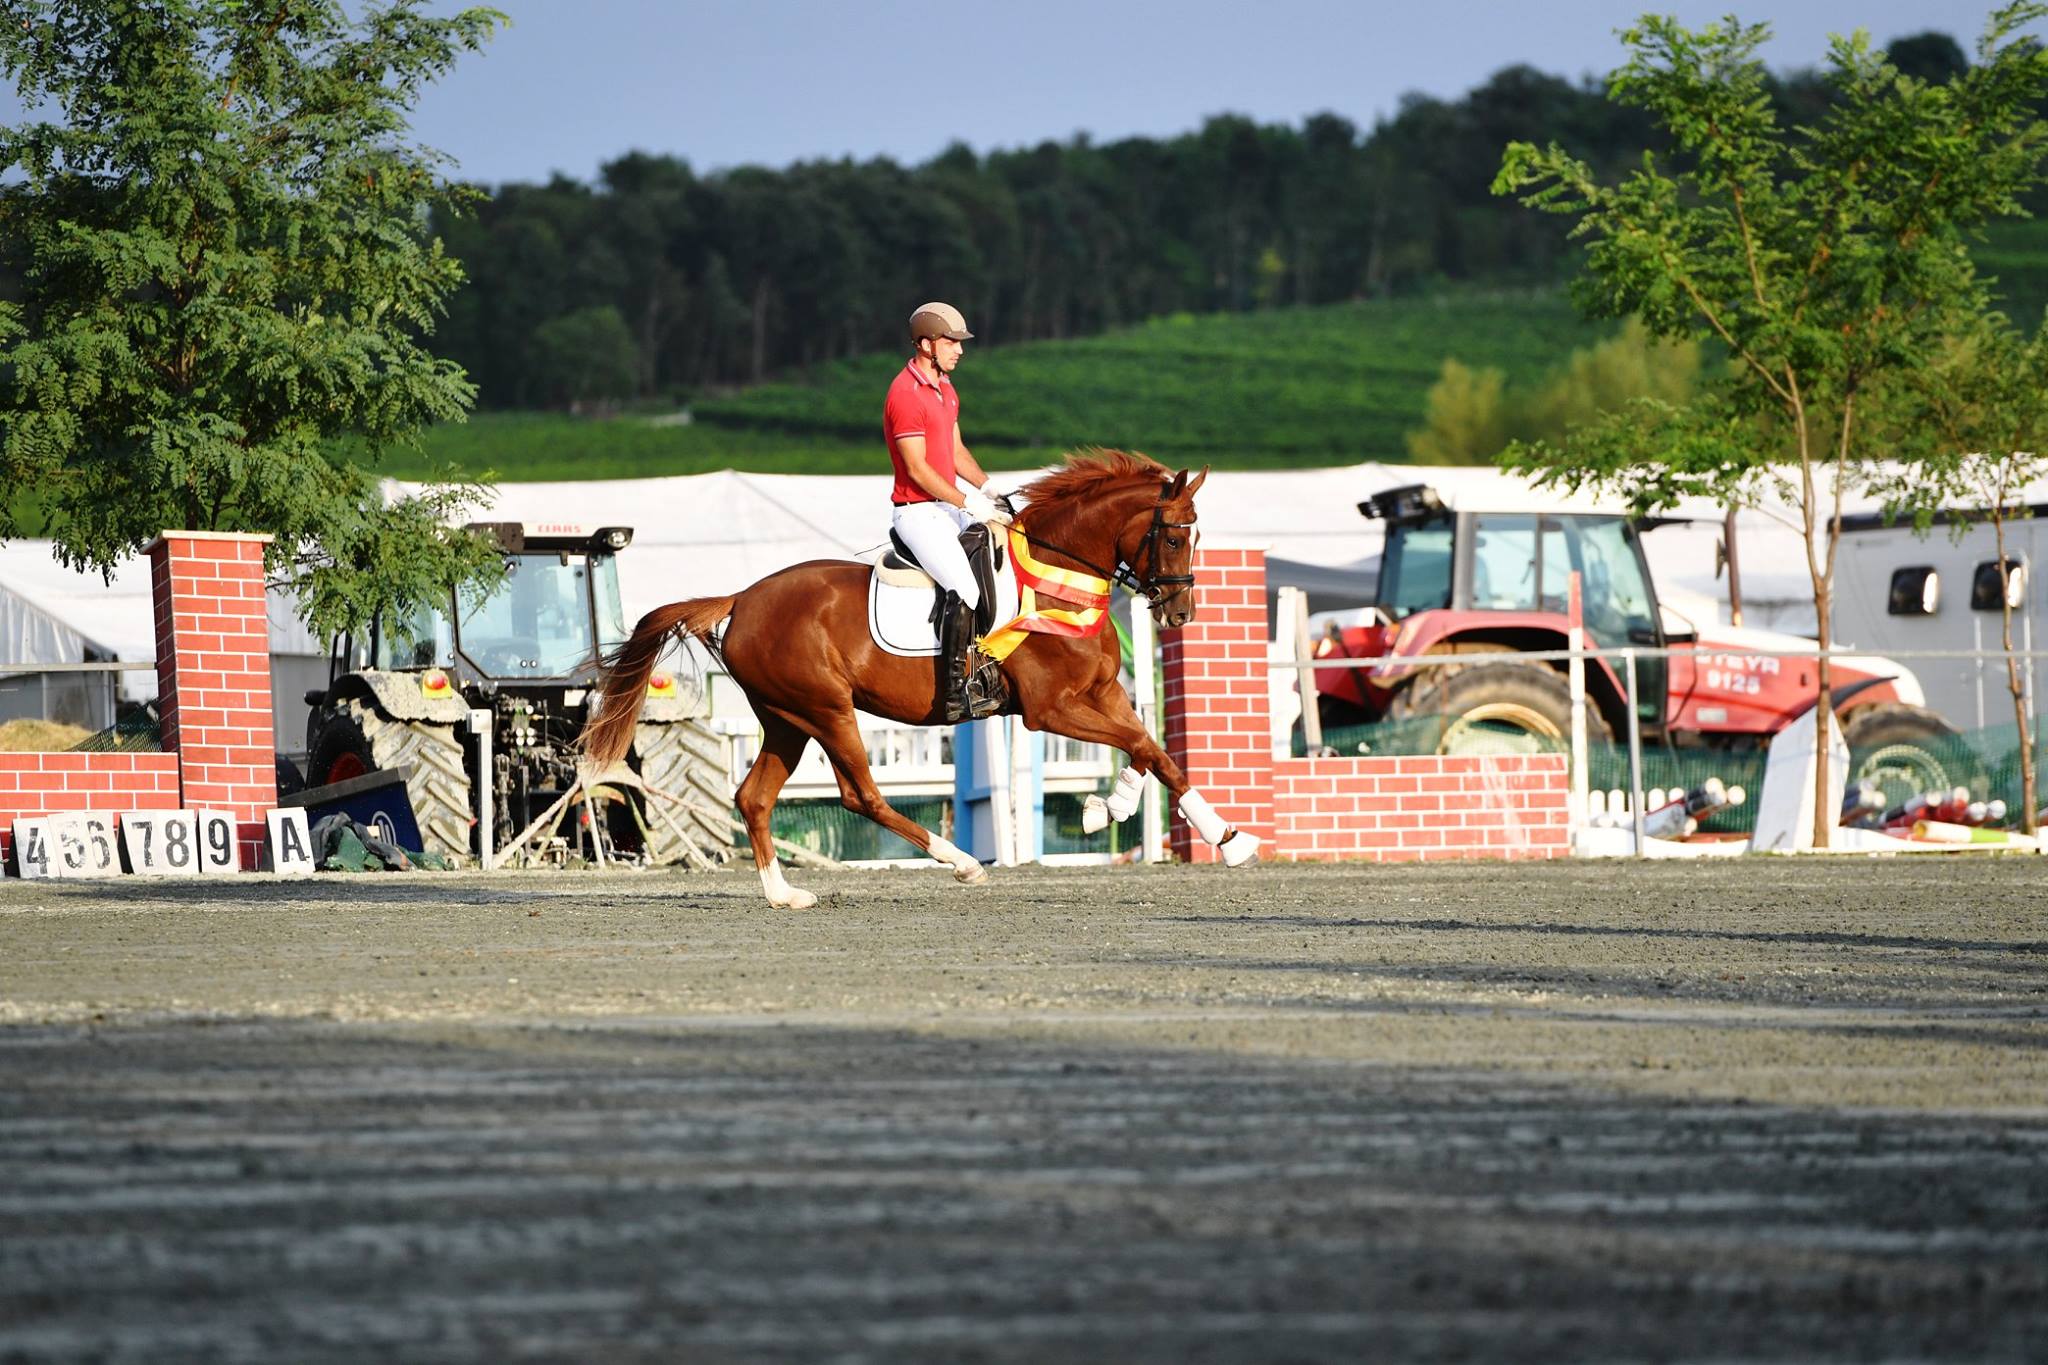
<point x="357" y="738"/>
<point x="1908" y="750"/>
<point x="685" y="759"/>
<point x="1497" y="708"/>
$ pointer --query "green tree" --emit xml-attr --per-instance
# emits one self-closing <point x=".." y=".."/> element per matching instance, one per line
<point x="1986" y="399"/>
<point x="1606" y="377"/>
<point x="588" y="356"/>
<point x="225" y="290"/>
<point x="1466" y="421"/>
<point x="1828" y="259"/>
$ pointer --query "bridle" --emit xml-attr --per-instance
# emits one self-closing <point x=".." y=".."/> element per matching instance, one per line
<point x="1154" y="587"/>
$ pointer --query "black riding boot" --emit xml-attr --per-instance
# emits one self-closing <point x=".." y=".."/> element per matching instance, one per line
<point x="971" y="684"/>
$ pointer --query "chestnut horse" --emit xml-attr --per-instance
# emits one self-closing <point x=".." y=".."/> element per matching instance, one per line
<point x="797" y="643"/>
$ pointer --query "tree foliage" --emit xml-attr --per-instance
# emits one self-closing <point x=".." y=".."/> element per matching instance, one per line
<point x="1829" y="259"/>
<point x="1472" y="416"/>
<point x="225" y="288"/>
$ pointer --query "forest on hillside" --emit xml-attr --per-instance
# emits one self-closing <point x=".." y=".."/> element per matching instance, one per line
<point x="660" y="283"/>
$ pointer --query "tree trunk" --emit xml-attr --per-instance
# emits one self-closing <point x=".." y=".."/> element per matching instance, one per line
<point x="2012" y="674"/>
<point x="1824" y="816"/>
<point x="760" y="355"/>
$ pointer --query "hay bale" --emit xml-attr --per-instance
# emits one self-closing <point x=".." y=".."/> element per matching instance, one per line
<point x="27" y="736"/>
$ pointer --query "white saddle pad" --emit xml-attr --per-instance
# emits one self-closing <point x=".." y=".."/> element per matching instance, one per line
<point x="900" y="608"/>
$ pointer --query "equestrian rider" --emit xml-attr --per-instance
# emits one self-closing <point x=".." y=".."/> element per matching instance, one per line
<point x="921" y="423"/>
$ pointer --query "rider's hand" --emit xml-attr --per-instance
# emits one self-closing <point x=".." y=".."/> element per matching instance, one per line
<point x="982" y="507"/>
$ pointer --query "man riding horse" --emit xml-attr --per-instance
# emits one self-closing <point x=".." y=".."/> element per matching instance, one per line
<point x="921" y="423"/>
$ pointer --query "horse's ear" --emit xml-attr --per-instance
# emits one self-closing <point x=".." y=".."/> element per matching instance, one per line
<point x="1175" y="487"/>
<point x="1195" y="482"/>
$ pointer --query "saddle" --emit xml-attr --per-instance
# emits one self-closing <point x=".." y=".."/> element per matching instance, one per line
<point x="904" y="600"/>
<point x="984" y="555"/>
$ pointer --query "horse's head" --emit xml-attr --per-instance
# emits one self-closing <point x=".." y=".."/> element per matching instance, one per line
<point x="1112" y="511"/>
<point x="1158" y="542"/>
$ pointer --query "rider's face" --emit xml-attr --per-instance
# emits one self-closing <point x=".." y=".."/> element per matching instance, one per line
<point x="945" y="353"/>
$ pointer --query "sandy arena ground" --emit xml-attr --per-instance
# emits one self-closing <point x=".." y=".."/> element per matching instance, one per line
<point x="1790" y="1110"/>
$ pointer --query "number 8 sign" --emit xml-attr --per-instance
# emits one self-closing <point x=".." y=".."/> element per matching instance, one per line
<point x="162" y="843"/>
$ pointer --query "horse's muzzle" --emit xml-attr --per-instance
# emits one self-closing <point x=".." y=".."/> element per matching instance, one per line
<point x="1171" y="613"/>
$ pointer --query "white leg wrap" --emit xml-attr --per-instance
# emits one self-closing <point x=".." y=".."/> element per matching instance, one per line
<point x="1124" y="797"/>
<point x="965" y="868"/>
<point x="1237" y="847"/>
<point x="1196" y="810"/>
<point x="1094" y="815"/>
<point x="781" y="894"/>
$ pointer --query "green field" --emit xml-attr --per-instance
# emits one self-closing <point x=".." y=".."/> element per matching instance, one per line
<point x="1290" y="388"/>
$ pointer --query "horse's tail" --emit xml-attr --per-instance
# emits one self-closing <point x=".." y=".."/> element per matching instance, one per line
<point x="627" y="668"/>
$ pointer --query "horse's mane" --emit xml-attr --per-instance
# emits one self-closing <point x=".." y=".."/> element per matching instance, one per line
<point x="1088" y="475"/>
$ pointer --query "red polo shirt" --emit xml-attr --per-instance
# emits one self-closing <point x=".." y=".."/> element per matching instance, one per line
<point x="918" y="407"/>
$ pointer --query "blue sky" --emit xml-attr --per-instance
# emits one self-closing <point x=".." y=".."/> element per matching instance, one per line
<point x="573" y="83"/>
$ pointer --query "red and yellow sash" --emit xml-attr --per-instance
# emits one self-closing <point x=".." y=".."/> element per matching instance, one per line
<point x="1089" y="593"/>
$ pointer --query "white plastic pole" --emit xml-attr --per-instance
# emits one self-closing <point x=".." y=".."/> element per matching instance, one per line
<point x="1145" y="682"/>
<point x="1578" y="802"/>
<point x="1635" y="752"/>
<point x="486" y="814"/>
<point x="1295" y="626"/>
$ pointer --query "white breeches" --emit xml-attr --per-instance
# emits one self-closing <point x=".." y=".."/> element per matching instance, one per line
<point x="932" y="531"/>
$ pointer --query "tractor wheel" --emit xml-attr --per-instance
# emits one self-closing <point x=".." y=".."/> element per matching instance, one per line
<point x="1907" y="750"/>
<point x="357" y="738"/>
<point x="685" y="759"/>
<point x="1497" y="708"/>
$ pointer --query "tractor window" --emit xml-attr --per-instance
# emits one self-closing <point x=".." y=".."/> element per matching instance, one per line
<point x="611" y="612"/>
<point x="419" y="639"/>
<point x="1616" y="595"/>
<point x="1504" y="564"/>
<point x="1415" y="569"/>
<point x="537" y="624"/>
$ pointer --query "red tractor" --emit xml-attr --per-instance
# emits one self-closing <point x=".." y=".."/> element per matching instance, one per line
<point x="1490" y="584"/>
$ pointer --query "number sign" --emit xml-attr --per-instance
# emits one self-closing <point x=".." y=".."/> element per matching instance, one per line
<point x="84" y="845"/>
<point x="162" y="843"/>
<point x="217" y="851"/>
<point x="32" y="847"/>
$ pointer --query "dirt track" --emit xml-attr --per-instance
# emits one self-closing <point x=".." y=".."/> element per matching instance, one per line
<point x="1776" y="1109"/>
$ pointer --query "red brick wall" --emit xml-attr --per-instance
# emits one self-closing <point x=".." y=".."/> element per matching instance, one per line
<point x="43" y="784"/>
<point x="1405" y="809"/>
<point x="213" y="675"/>
<point x="1216" y="698"/>
<point x="1219" y="729"/>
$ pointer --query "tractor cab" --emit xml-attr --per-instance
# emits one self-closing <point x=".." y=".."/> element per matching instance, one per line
<point x="555" y="612"/>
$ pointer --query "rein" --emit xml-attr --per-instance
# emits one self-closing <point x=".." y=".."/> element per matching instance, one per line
<point x="1154" y="587"/>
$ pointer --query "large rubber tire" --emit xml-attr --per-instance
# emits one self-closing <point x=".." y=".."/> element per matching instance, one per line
<point x="1497" y="708"/>
<point x="685" y="758"/>
<point x="1908" y="750"/>
<point x="355" y="737"/>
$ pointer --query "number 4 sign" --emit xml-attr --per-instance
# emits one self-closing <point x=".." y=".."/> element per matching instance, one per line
<point x="162" y="843"/>
<point x="32" y="847"/>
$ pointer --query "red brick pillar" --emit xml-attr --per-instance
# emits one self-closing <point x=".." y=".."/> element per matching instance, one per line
<point x="213" y="675"/>
<point x="1218" y="706"/>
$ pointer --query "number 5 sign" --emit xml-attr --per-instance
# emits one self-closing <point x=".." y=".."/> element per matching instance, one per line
<point x="85" y="845"/>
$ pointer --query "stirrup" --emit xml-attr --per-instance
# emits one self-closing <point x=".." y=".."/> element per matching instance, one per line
<point x="986" y="691"/>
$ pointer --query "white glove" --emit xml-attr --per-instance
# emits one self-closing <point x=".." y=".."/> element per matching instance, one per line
<point x="982" y="507"/>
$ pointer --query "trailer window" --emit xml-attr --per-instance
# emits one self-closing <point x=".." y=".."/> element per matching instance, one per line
<point x="1415" y="573"/>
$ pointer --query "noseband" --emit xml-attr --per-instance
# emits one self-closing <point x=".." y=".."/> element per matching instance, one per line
<point x="1155" y="588"/>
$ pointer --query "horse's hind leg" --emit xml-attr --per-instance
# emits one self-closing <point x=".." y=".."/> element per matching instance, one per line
<point x="782" y="744"/>
<point x="858" y="792"/>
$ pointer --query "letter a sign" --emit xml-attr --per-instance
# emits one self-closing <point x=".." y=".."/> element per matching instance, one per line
<point x="291" y="843"/>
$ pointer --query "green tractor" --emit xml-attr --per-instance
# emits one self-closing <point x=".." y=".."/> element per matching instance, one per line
<point x="480" y="705"/>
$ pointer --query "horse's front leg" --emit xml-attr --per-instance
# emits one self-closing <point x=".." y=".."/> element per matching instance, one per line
<point x="1104" y="715"/>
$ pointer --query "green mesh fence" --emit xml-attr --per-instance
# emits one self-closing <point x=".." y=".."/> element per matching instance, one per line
<point x="1986" y="761"/>
<point x="138" y="732"/>
<point x="824" y="826"/>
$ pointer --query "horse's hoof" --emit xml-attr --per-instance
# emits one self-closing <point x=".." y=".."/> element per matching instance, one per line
<point x="970" y="874"/>
<point x="1094" y="815"/>
<point x="797" y="899"/>
<point x="1239" y="849"/>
